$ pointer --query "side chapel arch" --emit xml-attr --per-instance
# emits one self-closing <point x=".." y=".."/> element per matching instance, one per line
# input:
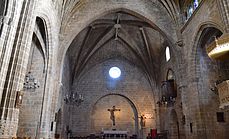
<point x="133" y="106"/>
<point x="38" y="66"/>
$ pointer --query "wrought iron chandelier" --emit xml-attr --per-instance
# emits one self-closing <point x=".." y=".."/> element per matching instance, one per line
<point x="166" y="101"/>
<point x="73" y="99"/>
<point x="30" y="82"/>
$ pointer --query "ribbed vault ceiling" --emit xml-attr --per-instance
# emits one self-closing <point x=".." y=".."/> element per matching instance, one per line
<point x="173" y="7"/>
<point x="117" y="36"/>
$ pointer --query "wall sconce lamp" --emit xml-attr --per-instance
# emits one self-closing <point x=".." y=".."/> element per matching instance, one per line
<point x="19" y="98"/>
<point x="30" y="82"/>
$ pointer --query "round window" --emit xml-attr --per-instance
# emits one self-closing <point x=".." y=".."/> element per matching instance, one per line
<point x="115" y="72"/>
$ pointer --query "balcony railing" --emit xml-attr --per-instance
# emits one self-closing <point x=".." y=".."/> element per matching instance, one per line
<point x="219" y="49"/>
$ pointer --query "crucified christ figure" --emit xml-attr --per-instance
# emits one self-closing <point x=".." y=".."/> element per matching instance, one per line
<point x="112" y="116"/>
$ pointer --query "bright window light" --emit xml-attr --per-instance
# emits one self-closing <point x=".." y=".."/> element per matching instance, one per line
<point x="115" y="72"/>
<point x="167" y="53"/>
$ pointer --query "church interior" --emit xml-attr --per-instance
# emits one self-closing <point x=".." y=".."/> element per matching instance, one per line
<point x="114" y="69"/>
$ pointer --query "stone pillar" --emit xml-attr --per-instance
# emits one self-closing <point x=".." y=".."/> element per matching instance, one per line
<point x="224" y="10"/>
<point x="16" y="70"/>
<point x="7" y="34"/>
<point x="3" y="9"/>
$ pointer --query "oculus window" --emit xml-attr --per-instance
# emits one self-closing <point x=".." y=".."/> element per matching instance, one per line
<point x="114" y="72"/>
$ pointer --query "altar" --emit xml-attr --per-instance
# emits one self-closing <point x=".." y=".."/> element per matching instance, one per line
<point x="114" y="134"/>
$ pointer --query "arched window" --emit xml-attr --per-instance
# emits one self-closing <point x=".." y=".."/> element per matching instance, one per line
<point x="167" y="54"/>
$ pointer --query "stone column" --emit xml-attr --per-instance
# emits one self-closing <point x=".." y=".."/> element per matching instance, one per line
<point x="15" y="73"/>
<point x="3" y="9"/>
<point x="223" y="6"/>
<point x="7" y="34"/>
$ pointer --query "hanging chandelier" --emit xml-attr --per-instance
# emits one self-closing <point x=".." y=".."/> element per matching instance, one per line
<point x="30" y="82"/>
<point x="73" y="99"/>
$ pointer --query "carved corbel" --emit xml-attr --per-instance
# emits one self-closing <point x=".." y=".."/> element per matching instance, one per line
<point x="180" y="43"/>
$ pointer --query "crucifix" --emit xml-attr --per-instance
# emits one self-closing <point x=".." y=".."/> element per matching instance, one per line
<point x="112" y="116"/>
<point x="142" y="121"/>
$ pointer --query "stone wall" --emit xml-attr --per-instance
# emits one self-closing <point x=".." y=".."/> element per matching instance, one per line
<point x="199" y="103"/>
<point x="96" y="83"/>
<point x="195" y="73"/>
<point x="12" y="63"/>
<point x="30" y="112"/>
<point x="63" y="110"/>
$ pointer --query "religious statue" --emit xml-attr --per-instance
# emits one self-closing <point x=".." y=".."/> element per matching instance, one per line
<point x="112" y="116"/>
<point x="142" y="121"/>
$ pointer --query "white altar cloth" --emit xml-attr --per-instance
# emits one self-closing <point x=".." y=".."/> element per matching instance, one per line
<point x="116" y="132"/>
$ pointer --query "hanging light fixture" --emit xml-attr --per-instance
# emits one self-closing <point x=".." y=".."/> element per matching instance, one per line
<point x="73" y="99"/>
<point x="30" y="82"/>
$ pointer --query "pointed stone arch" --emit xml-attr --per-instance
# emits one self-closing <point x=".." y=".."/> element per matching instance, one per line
<point x="204" y="72"/>
<point x="50" y="96"/>
<point x="67" y="37"/>
<point x="193" y="70"/>
<point x="36" y="68"/>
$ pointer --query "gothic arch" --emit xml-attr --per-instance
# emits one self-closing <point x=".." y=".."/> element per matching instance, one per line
<point x="68" y="37"/>
<point x="49" y="102"/>
<point x="63" y="49"/>
<point x="193" y="68"/>
<point x="37" y="67"/>
<point x="48" y="34"/>
<point x="203" y="73"/>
